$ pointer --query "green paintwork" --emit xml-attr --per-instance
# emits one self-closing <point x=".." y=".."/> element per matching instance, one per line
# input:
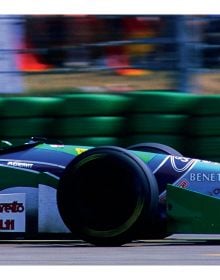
<point x="24" y="177"/>
<point x="48" y="179"/>
<point x="30" y="178"/>
<point x="145" y="156"/>
<point x="192" y="212"/>
<point x="69" y="149"/>
<point x="76" y="150"/>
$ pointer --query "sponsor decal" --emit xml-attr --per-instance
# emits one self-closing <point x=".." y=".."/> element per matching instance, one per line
<point x="181" y="164"/>
<point x="172" y="170"/>
<point x="216" y="191"/>
<point x="209" y="162"/>
<point x="20" y="164"/>
<point x="13" y="207"/>
<point x="183" y="184"/>
<point x="57" y="146"/>
<point x="12" y="212"/>
<point x="204" y="177"/>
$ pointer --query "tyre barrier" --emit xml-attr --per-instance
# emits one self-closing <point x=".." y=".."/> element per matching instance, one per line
<point x="187" y="122"/>
<point x="67" y="117"/>
<point x="157" y="123"/>
<point x="31" y="106"/>
<point x="92" y="141"/>
<point x="26" y="127"/>
<point x="207" y="147"/>
<point x="202" y="131"/>
<point x="206" y="105"/>
<point x="205" y="126"/>
<point x="158" y="102"/>
<point x="159" y="117"/>
<point x="87" y="104"/>
<point x="89" y="126"/>
<point x="175" y="141"/>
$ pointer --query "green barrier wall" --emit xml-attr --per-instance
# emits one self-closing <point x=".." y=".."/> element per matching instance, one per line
<point x="81" y="118"/>
<point x="187" y="122"/>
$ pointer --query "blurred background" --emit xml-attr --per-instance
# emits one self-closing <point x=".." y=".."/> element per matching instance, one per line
<point x="174" y="52"/>
<point x="112" y="80"/>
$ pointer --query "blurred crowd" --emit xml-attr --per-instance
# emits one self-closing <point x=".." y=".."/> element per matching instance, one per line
<point x="112" y="42"/>
<point x="89" y="40"/>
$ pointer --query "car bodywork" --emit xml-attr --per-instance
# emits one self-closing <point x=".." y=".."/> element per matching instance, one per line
<point x="29" y="176"/>
<point x="105" y="195"/>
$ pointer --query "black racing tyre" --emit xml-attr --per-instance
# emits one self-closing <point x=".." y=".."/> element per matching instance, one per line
<point x="204" y="126"/>
<point x="160" y="230"/>
<point x="161" y="102"/>
<point x="92" y="104"/>
<point x="157" y="123"/>
<point x="91" y="141"/>
<point x="26" y="127"/>
<point x="107" y="195"/>
<point x="155" y="148"/>
<point x="206" y="105"/>
<point x="89" y="126"/>
<point x="31" y="106"/>
<point x="205" y="147"/>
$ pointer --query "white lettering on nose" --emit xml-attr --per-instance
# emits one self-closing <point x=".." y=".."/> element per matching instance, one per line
<point x="192" y="177"/>
<point x="204" y="177"/>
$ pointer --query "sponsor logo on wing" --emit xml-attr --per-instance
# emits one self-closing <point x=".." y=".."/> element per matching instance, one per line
<point x="20" y="164"/>
<point x="57" y="146"/>
<point x="181" y="164"/>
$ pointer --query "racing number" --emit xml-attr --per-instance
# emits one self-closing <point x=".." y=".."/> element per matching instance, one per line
<point x="183" y="159"/>
<point x="7" y="224"/>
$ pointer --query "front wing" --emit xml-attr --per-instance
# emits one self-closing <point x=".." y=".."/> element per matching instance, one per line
<point x="192" y="212"/>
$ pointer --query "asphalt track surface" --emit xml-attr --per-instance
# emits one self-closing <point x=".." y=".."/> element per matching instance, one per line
<point x="174" y="250"/>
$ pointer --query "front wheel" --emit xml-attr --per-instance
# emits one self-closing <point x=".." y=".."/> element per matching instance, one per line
<point x="107" y="195"/>
<point x="160" y="228"/>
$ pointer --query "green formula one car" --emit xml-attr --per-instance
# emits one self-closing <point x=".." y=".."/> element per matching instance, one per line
<point x="105" y="195"/>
